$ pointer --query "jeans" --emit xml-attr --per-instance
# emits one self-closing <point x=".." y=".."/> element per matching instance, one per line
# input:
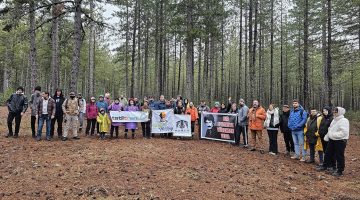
<point x="44" y="118"/>
<point x="10" y="119"/>
<point x="81" y="119"/>
<point x="298" y="137"/>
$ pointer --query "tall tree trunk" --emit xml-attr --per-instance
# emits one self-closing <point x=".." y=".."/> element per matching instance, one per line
<point x="180" y="58"/>
<point x="253" y="56"/>
<point x="56" y="11"/>
<point x="91" y="89"/>
<point x="240" y="49"/>
<point x="32" y="55"/>
<point x="306" y="56"/>
<point x="324" y="54"/>
<point x="200" y="81"/>
<point x="329" y="58"/>
<point x="146" y="58"/>
<point x="77" y="47"/>
<point x="222" y="81"/>
<point x="127" y="33"/>
<point x="189" y="52"/>
<point x="139" y="75"/>
<point x="132" y="84"/>
<point x="206" y="68"/>
<point x="174" y="71"/>
<point x="251" y="67"/>
<point x="246" y="95"/>
<point x="211" y="66"/>
<point x="160" y="56"/>
<point x="271" y="52"/>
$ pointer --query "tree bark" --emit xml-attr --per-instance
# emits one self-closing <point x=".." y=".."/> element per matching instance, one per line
<point x="189" y="51"/>
<point x="306" y="56"/>
<point x="132" y="84"/>
<point x="32" y="55"/>
<point x="91" y="53"/>
<point x="77" y="47"/>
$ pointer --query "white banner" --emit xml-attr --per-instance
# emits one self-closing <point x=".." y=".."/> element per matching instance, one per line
<point x="129" y="116"/>
<point x="182" y="126"/>
<point x="162" y="121"/>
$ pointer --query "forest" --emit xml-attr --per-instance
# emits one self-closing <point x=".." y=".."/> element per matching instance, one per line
<point x="271" y="50"/>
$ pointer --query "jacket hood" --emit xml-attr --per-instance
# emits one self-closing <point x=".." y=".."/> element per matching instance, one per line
<point x="329" y="111"/>
<point x="341" y="111"/>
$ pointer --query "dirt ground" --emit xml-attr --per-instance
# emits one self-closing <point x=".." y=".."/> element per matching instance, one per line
<point x="161" y="169"/>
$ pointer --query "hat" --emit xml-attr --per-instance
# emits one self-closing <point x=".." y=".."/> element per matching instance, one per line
<point x="217" y="103"/>
<point x="72" y="93"/>
<point x="287" y="106"/>
<point x="101" y="96"/>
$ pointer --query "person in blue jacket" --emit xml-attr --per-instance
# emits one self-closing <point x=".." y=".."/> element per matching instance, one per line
<point x="160" y="105"/>
<point x="296" y="123"/>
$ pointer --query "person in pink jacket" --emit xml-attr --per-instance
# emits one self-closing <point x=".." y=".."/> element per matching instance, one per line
<point x="91" y="114"/>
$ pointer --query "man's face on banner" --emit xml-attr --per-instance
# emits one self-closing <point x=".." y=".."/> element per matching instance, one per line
<point x="209" y="124"/>
<point x="162" y="117"/>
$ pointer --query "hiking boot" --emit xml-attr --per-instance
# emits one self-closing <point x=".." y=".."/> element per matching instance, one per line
<point x="310" y="161"/>
<point x="33" y="135"/>
<point x="9" y="135"/>
<point x="16" y="135"/>
<point x="64" y="138"/>
<point x="125" y="136"/>
<point x="302" y="160"/>
<point x="76" y="138"/>
<point x="320" y="168"/>
<point x="337" y="174"/>
<point x="252" y="149"/>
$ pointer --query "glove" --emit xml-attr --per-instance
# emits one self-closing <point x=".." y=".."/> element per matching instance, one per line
<point x="326" y="138"/>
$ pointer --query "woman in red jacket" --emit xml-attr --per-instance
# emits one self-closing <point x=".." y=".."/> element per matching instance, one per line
<point x="91" y="114"/>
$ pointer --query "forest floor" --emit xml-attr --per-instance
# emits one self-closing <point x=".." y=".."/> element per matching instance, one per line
<point x="162" y="169"/>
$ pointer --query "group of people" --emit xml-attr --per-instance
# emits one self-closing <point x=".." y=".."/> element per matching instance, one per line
<point x="325" y="132"/>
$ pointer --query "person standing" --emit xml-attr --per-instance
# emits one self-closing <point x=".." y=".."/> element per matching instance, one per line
<point x="91" y="114"/>
<point x="256" y="115"/>
<point x="216" y="107"/>
<point x="104" y="123"/>
<point x="107" y="98"/>
<point x="296" y="123"/>
<point x="82" y="110"/>
<point x="201" y="109"/>
<point x="161" y="104"/>
<point x="115" y="106"/>
<point x="312" y="139"/>
<point x="123" y="100"/>
<point x="59" y="114"/>
<point x="284" y="119"/>
<point x="71" y="109"/>
<point x="131" y="125"/>
<point x="243" y="122"/>
<point x="17" y="105"/>
<point x="337" y="138"/>
<point x="272" y="126"/>
<point x="326" y="120"/>
<point x="192" y="111"/>
<point x="45" y="113"/>
<point x="34" y="102"/>
<point x="146" y="125"/>
<point x="101" y="104"/>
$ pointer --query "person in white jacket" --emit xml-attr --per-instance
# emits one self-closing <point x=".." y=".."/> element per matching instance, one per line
<point x="337" y="137"/>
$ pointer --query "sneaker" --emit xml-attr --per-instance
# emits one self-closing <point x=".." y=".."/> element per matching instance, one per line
<point x="302" y="160"/>
<point x="76" y="138"/>
<point x="16" y="135"/>
<point x="252" y="149"/>
<point x="294" y="157"/>
<point x="272" y="153"/>
<point x="310" y="161"/>
<point x="64" y="138"/>
<point x="337" y="174"/>
<point x="320" y="168"/>
<point x="48" y="139"/>
<point x="33" y="136"/>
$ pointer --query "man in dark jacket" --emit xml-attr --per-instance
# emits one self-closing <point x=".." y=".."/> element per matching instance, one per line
<point x="284" y="118"/>
<point x="17" y="105"/>
<point x="45" y="112"/>
<point x="326" y="120"/>
<point x="34" y="102"/>
<point x="59" y="114"/>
